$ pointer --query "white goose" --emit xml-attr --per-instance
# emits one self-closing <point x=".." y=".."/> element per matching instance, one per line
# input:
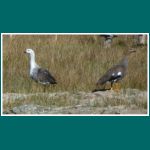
<point x="37" y="73"/>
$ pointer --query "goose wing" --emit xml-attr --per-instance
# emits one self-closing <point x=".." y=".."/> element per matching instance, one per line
<point x="113" y="73"/>
<point x="44" y="77"/>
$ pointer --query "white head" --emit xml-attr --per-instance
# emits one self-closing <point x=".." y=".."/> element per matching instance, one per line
<point x="29" y="51"/>
<point x="31" y="54"/>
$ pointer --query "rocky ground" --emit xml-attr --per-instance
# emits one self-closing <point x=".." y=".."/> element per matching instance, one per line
<point x="129" y="101"/>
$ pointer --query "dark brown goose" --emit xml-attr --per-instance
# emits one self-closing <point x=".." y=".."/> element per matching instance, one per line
<point x="116" y="73"/>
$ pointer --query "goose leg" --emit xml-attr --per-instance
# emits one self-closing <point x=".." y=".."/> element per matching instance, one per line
<point x="118" y="87"/>
<point x="112" y="86"/>
<point x="44" y="89"/>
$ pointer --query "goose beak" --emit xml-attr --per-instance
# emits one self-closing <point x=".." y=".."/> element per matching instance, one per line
<point x="25" y="52"/>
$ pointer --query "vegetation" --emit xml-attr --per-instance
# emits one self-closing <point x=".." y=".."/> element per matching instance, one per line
<point x="76" y="61"/>
<point x="128" y="101"/>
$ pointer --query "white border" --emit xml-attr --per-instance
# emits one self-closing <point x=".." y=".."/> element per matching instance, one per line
<point x="74" y="114"/>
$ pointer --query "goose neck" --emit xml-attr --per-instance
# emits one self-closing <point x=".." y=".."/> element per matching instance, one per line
<point x="32" y="61"/>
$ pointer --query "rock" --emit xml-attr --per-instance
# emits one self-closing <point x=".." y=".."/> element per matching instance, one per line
<point x="129" y="101"/>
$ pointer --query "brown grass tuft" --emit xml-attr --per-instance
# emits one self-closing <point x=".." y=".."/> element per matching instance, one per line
<point x="76" y="61"/>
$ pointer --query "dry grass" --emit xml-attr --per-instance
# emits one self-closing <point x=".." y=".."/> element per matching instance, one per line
<point x="76" y="61"/>
<point x="126" y="101"/>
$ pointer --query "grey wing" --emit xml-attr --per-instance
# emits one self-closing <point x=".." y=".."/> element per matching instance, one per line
<point x="45" y="77"/>
<point x="106" y="77"/>
<point x="109" y="75"/>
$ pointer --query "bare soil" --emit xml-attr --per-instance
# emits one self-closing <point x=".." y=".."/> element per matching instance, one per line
<point x="129" y="101"/>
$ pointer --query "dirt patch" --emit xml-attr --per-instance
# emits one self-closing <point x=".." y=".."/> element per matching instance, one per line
<point x="129" y="101"/>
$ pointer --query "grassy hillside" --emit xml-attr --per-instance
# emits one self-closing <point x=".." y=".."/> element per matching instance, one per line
<point x="77" y="62"/>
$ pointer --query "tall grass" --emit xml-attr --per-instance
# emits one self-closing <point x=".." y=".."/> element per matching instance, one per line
<point x="77" y="62"/>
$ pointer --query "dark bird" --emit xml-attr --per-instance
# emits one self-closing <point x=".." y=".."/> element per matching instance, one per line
<point x="114" y="74"/>
<point x="108" y="39"/>
<point x="37" y="73"/>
